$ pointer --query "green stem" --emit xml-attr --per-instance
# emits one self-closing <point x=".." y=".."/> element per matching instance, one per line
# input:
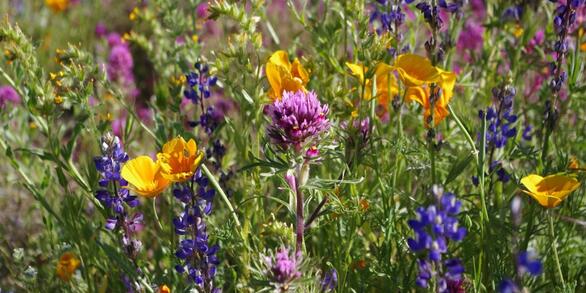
<point x="480" y="173"/>
<point x="223" y="195"/>
<point x="464" y="130"/>
<point x="432" y="158"/>
<point x="157" y="215"/>
<point x="555" y="250"/>
<point x="545" y="148"/>
<point x="483" y="263"/>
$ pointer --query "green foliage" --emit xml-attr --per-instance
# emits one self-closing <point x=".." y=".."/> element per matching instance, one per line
<point x="359" y="194"/>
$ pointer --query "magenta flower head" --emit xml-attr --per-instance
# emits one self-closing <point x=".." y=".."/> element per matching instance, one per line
<point x="100" y="30"/>
<point x="283" y="267"/>
<point x="297" y="119"/>
<point x="8" y="94"/>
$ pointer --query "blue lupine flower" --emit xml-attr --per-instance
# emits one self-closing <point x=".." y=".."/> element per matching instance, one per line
<point x="513" y="13"/>
<point x="115" y="197"/>
<point x="526" y="262"/>
<point x="434" y="227"/>
<point x="389" y="15"/>
<point x="430" y="14"/>
<point x="330" y="281"/>
<point x="452" y="7"/>
<point x="111" y="192"/>
<point x="507" y="286"/>
<point x="197" y="258"/>
<point x="500" y="118"/>
<point x="565" y="16"/>
<point x="199" y="83"/>
<point x="502" y="175"/>
<point x="527" y="132"/>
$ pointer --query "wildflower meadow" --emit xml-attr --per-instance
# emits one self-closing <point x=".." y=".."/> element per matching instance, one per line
<point x="292" y="146"/>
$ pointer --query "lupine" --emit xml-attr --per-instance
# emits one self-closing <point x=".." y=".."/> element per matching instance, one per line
<point x="435" y="226"/>
<point x="389" y="15"/>
<point x="114" y="195"/>
<point x="297" y="119"/>
<point x="525" y="262"/>
<point x="500" y="118"/>
<point x="565" y="17"/>
<point x="329" y="281"/>
<point x="200" y="83"/>
<point x="197" y="257"/>
<point x="513" y="13"/>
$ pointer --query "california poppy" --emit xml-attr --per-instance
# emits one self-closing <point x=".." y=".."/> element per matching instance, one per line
<point x="284" y="75"/>
<point x="145" y="176"/>
<point x="551" y="190"/>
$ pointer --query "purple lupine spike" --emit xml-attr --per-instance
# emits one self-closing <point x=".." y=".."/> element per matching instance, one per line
<point x="434" y="227"/>
<point x="197" y="258"/>
<point x="112" y="194"/>
<point x="329" y="281"/>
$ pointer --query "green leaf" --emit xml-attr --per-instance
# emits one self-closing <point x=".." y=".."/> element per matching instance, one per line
<point x="318" y="183"/>
<point x="458" y="168"/>
<point x="119" y="259"/>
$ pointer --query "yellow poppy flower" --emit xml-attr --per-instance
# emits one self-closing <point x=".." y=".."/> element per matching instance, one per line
<point x="417" y="73"/>
<point x="551" y="190"/>
<point x="386" y="83"/>
<point x="574" y="164"/>
<point x="67" y="265"/>
<point x="145" y="176"/>
<point x="179" y="159"/>
<point x="57" y="5"/>
<point x="284" y="75"/>
<point x="164" y="289"/>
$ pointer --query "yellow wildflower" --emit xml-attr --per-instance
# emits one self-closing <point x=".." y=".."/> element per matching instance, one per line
<point x="364" y="204"/>
<point x="574" y="164"/>
<point x="133" y="14"/>
<point x="58" y="100"/>
<point x="194" y="38"/>
<point x="551" y="190"/>
<point x="126" y="37"/>
<point x="179" y="159"/>
<point x="145" y="176"/>
<point x="386" y="83"/>
<point x="67" y="265"/>
<point x="518" y="31"/>
<point x="164" y="289"/>
<point x="417" y="74"/>
<point x="57" y="5"/>
<point x="284" y="75"/>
